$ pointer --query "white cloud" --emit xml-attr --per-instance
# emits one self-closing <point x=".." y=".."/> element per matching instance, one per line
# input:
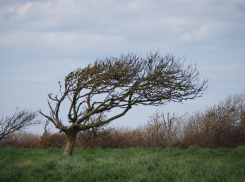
<point x="203" y="32"/>
<point x="72" y="27"/>
<point x="23" y="8"/>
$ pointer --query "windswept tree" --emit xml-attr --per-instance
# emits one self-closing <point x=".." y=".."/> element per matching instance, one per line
<point x="122" y="82"/>
<point x="21" y="119"/>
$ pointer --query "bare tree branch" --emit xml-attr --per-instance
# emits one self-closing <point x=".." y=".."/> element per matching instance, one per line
<point x="21" y="119"/>
<point x="122" y="83"/>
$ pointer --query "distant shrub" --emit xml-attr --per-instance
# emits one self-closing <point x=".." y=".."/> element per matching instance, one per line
<point x="222" y="125"/>
<point x="54" y="140"/>
<point x="30" y="140"/>
<point x="21" y="140"/>
<point x="228" y="112"/>
<point x="95" y="137"/>
<point x="226" y="136"/>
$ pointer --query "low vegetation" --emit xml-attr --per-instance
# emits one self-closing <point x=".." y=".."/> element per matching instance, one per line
<point x="134" y="164"/>
<point x="207" y="145"/>
<point x="222" y="125"/>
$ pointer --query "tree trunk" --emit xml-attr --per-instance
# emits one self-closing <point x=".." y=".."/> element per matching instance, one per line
<point x="71" y="138"/>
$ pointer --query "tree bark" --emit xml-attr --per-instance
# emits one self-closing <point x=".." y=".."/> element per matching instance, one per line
<point x="71" y="138"/>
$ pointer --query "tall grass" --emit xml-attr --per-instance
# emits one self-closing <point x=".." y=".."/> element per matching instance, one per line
<point x="134" y="164"/>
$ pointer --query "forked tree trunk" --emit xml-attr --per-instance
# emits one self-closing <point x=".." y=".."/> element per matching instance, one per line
<point x="71" y="138"/>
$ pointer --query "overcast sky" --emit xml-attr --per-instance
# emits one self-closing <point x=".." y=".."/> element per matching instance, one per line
<point x="42" y="41"/>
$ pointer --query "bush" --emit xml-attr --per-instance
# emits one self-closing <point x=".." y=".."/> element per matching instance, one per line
<point x="54" y="140"/>
<point x="228" y="112"/>
<point x="226" y="136"/>
<point x="30" y="140"/>
<point x="21" y="140"/>
<point x="222" y="125"/>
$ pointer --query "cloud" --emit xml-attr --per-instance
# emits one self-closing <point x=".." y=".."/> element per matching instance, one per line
<point x="146" y="21"/>
<point x="204" y="32"/>
<point x="67" y="27"/>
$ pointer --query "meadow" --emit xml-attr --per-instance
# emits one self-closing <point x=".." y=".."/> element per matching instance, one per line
<point x="132" y="164"/>
<point x="205" y="146"/>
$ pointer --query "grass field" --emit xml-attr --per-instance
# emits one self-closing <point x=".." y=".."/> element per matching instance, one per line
<point x="134" y="164"/>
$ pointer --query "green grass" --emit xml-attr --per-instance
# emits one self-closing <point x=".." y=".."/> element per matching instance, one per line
<point x="135" y="164"/>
